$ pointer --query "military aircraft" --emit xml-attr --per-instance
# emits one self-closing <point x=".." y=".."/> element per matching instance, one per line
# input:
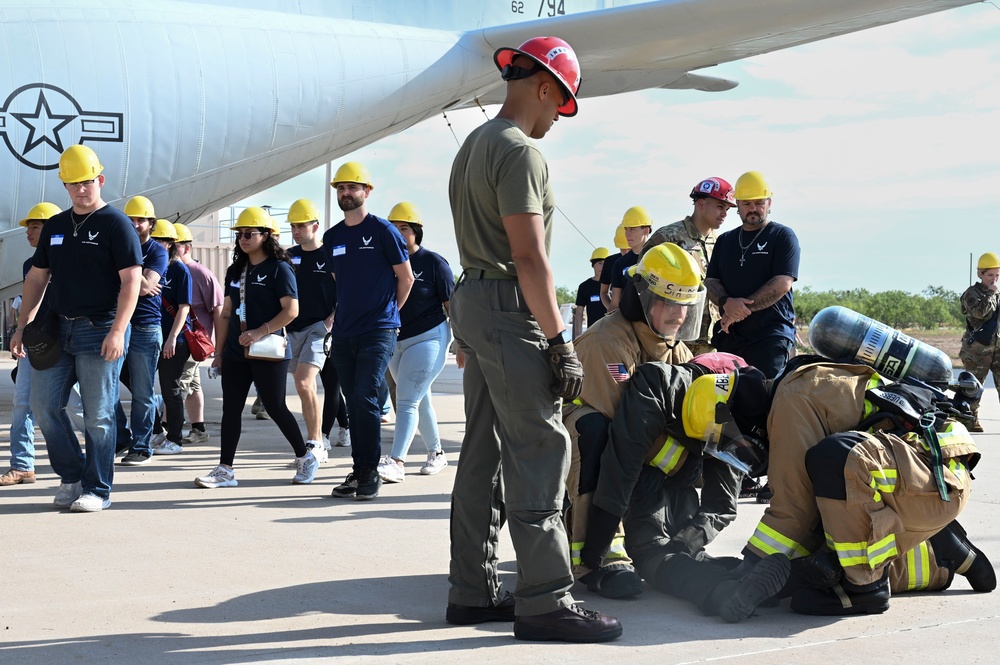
<point x="198" y="105"/>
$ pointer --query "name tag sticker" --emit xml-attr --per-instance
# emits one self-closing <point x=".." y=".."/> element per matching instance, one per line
<point x="595" y="298"/>
<point x="340" y="250"/>
<point x="235" y="284"/>
<point x="56" y="240"/>
<point x="296" y="260"/>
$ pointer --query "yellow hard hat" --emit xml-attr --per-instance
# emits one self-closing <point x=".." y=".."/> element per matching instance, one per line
<point x="404" y="211"/>
<point x="183" y="233"/>
<point x="352" y="172"/>
<point x="986" y="261"/>
<point x="700" y="405"/>
<point x="620" y="241"/>
<point x="163" y="230"/>
<point x="752" y="187"/>
<point x="303" y="211"/>
<point x="79" y="163"/>
<point x="40" y="212"/>
<point x="636" y="216"/>
<point x="139" y="206"/>
<point x="671" y="273"/>
<point x="599" y="254"/>
<point x="253" y="217"/>
<point x="275" y="231"/>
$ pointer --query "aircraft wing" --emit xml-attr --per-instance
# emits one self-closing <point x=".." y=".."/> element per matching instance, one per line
<point x="658" y="44"/>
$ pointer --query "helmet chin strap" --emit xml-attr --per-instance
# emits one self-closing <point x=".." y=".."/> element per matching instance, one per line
<point x="514" y="73"/>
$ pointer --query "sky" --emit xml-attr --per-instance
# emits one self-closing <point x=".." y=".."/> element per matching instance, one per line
<point x="882" y="148"/>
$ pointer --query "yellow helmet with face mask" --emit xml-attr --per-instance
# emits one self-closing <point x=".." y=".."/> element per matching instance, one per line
<point x="668" y="277"/>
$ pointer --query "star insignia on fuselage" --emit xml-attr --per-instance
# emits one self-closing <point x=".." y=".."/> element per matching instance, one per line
<point x="44" y="122"/>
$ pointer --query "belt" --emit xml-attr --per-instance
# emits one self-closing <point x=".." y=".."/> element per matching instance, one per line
<point x="471" y="273"/>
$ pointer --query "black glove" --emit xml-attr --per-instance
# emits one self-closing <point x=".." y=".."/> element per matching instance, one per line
<point x="601" y="528"/>
<point x="568" y="370"/>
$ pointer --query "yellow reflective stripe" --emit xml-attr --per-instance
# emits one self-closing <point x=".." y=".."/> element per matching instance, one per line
<point x="769" y="541"/>
<point x="876" y="495"/>
<point x="617" y="549"/>
<point x="918" y="567"/>
<point x="666" y="459"/>
<point x="869" y="410"/>
<point x="884" y="480"/>
<point x="574" y="553"/>
<point x="955" y="434"/>
<point x="861" y="553"/>
<point x="874" y="381"/>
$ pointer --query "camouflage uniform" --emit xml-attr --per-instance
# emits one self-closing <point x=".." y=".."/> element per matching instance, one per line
<point x="685" y="234"/>
<point x="978" y="306"/>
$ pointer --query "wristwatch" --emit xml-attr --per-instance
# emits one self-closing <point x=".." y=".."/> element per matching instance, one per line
<point x="562" y="338"/>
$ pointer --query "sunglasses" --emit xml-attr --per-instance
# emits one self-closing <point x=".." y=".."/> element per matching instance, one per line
<point x="247" y="235"/>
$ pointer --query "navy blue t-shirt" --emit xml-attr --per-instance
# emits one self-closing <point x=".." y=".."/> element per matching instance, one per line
<point x="609" y="268"/>
<point x="147" y="310"/>
<point x="267" y="283"/>
<point x="774" y="251"/>
<point x="619" y="278"/>
<point x="176" y="290"/>
<point x="83" y="268"/>
<point x="433" y="283"/>
<point x="589" y="296"/>
<point x="363" y="258"/>
<point x="316" y="286"/>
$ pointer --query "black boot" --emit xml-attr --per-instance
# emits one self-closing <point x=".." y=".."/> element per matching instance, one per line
<point x="765" y="580"/>
<point x="952" y="544"/>
<point x="819" y="570"/>
<point x="842" y="599"/>
<point x="617" y="580"/>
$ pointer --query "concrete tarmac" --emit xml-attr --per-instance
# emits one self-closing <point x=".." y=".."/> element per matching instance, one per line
<point x="270" y="572"/>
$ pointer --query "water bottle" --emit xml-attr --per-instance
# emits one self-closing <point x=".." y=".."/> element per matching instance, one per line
<point x="839" y="332"/>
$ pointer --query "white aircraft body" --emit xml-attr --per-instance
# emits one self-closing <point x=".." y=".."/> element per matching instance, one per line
<point x="198" y="105"/>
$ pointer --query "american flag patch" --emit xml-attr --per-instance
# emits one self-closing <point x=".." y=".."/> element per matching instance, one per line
<point x="618" y="372"/>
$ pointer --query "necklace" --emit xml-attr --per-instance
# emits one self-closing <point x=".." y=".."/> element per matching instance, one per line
<point x="744" y="252"/>
<point x="77" y="225"/>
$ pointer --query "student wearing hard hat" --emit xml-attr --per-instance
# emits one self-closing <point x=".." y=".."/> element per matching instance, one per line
<point x="696" y="233"/>
<point x="143" y="355"/>
<point x="90" y="259"/>
<point x="750" y="279"/>
<point x="981" y="307"/>
<point x="638" y="225"/>
<point x="22" y="423"/>
<point x="206" y="306"/>
<point x="588" y="294"/>
<point x="610" y="263"/>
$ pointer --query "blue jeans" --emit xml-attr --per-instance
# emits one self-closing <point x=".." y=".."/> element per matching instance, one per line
<point x="139" y="374"/>
<point x="22" y="424"/>
<point x="416" y="363"/>
<point x="80" y="361"/>
<point x="361" y="362"/>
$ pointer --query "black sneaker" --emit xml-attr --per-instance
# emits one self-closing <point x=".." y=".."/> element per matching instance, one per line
<point x="136" y="459"/>
<point x="570" y="624"/>
<point x="346" y="489"/>
<point x="765" y="494"/>
<point x="369" y="485"/>
<point x="749" y="488"/>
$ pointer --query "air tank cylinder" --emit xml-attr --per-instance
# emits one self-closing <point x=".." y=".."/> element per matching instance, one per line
<point x="839" y="333"/>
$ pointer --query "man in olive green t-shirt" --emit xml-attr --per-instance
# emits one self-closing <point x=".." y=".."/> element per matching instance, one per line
<point x="519" y="362"/>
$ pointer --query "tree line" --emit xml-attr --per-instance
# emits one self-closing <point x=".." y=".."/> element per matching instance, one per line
<point x="934" y="307"/>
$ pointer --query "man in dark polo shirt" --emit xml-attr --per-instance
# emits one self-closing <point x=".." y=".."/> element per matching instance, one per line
<point x="91" y="255"/>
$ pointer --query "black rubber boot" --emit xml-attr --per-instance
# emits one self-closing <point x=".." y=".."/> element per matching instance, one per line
<point x="614" y="581"/>
<point x="765" y="580"/>
<point x="819" y="570"/>
<point x="842" y="599"/>
<point x="952" y="544"/>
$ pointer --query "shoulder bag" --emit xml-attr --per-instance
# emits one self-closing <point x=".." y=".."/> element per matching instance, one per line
<point x="198" y="340"/>
<point x="270" y="347"/>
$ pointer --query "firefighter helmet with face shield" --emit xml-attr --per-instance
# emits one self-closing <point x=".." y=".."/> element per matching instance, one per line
<point x="671" y="292"/>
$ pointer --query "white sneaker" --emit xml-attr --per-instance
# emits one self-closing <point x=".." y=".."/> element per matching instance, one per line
<point x="390" y="471"/>
<point x="157" y="439"/>
<point x="305" y="469"/>
<point x="67" y="494"/>
<point x="318" y="451"/>
<point x="344" y="438"/>
<point x="326" y="442"/>
<point x="168" y="448"/>
<point x="196" y="436"/>
<point x="90" y="503"/>
<point x="435" y="462"/>
<point x="220" y="476"/>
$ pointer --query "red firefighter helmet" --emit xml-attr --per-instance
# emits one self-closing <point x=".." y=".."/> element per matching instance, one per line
<point x="556" y="56"/>
<point x="715" y="188"/>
